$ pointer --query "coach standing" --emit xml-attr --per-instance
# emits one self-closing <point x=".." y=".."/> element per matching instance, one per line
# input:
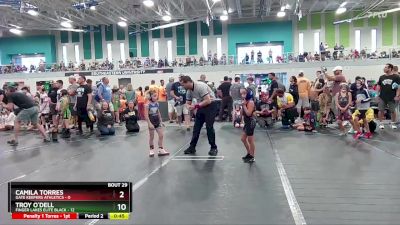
<point x="206" y="112"/>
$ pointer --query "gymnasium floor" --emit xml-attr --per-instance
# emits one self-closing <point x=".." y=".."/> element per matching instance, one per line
<point x="297" y="178"/>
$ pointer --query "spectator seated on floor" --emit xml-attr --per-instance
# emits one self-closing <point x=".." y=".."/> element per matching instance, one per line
<point x="7" y="119"/>
<point x="369" y="115"/>
<point x="131" y="116"/>
<point x="105" y="122"/>
<point x="264" y="111"/>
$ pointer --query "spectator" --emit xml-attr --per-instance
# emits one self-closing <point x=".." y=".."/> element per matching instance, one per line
<point x="141" y="101"/>
<point x="235" y="92"/>
<point x="252" y="86"/>
<point x="105" y="122"/>
<point x="304" y="86"/>
<point x="227" y="102"/>
<point x="178" y="92"/>
<point x="130" y="94"/>
<point x="171" y="100"/>
<point x="203" y="78"/>
<point x="162" y="95"/>
<point x="131" y="117"/>
<point x="72" y="98"/>
<point x="274" y="84"/>
<point x="286" y="107"/>
<point x="294" y="89"/>
<point x="388" y="86"/>
<point x="337" y="79"/>
<point x="104" y="93"/>
<point x="264" y="111"/>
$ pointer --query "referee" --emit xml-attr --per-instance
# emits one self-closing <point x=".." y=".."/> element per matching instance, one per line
<point x="206" y="112"/>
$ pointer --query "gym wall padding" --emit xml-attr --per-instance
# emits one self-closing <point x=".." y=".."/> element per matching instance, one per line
<point x="358" y="23"/>
<point x="144" y="43"/>
<point x="87" y="46"/>
<point x="193" y="38"/>
<point x="217" y="25"/>
<point x="132" y="42"/>
<point x="155" y="33"/>
<point x="387" y="30"/>
<point x="109" y="32"/>
<point x="330" y="29"/>
<point x="373" y="21"/>
<point x="344" y="31"/>
<point x="205" y="29"/>
<point x="316" y="21"/>
<point x="168" y="32"/>
<point x="75" y="37"/>
<point x="120" y="33"/>
<point x="302" y="24"/>
<point x="42" y="44"/>
<point x="180" y="40"/>
<point x="398" y="29"/>
<point x="98" y="45"/>
<point x="64" y="37"/>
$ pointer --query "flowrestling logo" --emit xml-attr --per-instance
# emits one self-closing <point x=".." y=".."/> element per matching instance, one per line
<point x="379" y="15"/>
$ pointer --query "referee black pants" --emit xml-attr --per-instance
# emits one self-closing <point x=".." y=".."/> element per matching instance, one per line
<point x="205" y="115"/>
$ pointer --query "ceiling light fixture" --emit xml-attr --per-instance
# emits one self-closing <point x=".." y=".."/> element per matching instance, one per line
<point x="281" y="14"/>
<point x="341" y="10"/>
<point x="148" y="3"/>
<point x="167" y="18"/>
<point x="122" y="24"/>
<point x="15" y="31"/>
<point x="123" y="19"/>
<point x="66" y="24"/>
<point x="93" y="7"/>
<point x="32" y="12"/>
<point x="224" y="17"/>
<point x="215" y="1"/>
<point x="342" y="5"/>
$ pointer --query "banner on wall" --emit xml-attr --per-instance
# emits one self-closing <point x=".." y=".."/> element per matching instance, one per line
<point x="119" y="72"/>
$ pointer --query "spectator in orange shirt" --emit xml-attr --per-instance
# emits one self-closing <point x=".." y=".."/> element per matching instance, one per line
<point x="162" y="94"/>
<point x="304" y="86"/>
<point x="153" y="87"/>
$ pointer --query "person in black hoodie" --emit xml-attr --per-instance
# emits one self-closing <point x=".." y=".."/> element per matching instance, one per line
<point x="294" y="89"/>
<point x="131" y="117"/>
<point x="105" y="122"/>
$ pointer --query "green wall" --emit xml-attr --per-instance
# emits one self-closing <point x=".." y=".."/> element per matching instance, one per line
<point x="87" y="46"/>
<point x="168" y="32"/>
<point x="260" y="32"/>
<point x="205" y="30"/>
<point x="144" y="43"/>
<point x="44" y="44"/>
<point x="109" y="30"/>
<point x="180" y="40"/>
<point x="330" y="29"/>
<point x="132" y="42"/>
<point x="344" y="30"/>
<point x="193" y="38"/>
<point x="387" y="30"/>
<point x="98" y="45"/>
